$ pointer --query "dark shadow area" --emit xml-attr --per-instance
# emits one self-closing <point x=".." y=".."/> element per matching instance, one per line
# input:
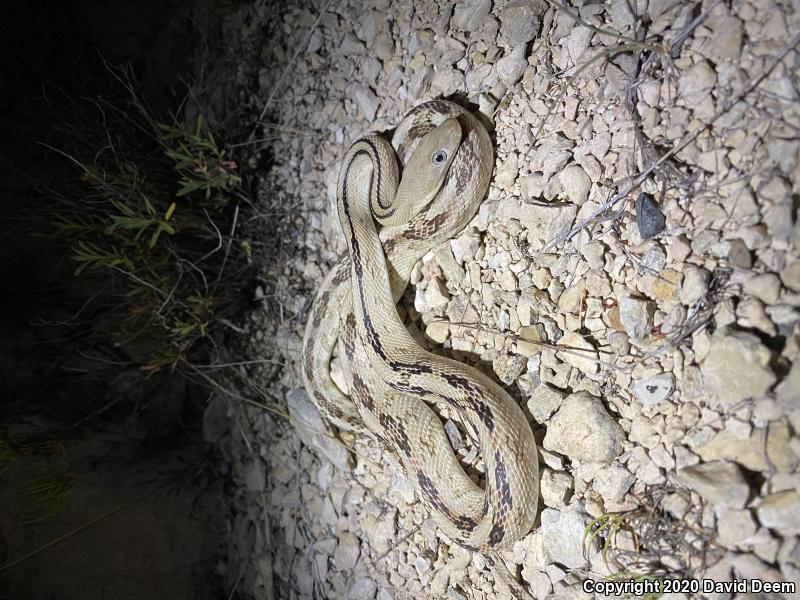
<point x="107" y="488"/>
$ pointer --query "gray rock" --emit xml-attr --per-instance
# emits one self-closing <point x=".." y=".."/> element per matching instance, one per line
<point x="735" y="526"/>
<point x="311" y="428"/>
<point x="649" y="217"/>
<point x="543" y="222"/>
<point x="780" y="511"/>
<point x="559" y="539"/>
<point x="519" y="23"/>
<point x="720" y="482"/>
<point x="470" y="14"/>
<point x="695" y="284"/>
<point x="347" y="551"/>
<point x="636" y="316"/>
<point x="366" y="100"/>
<point x="612" y="482"/>
<point x="582" y="429"/>
<point x="363" y="589"/>
<point x="736" y="367"/>
<point x="654" y="389"/>
<point x="555" y="488"/>
<point x="509" y="367"/>
<point x="575" y="183"/>
<point x="511" y="67"/>
<point x="696" y="83"/>
<point x="544" y="401"/>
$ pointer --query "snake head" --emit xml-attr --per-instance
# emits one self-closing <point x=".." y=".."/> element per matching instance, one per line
<point x="428" y="166"/>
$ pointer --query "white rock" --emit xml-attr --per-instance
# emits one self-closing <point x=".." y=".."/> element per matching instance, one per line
<point x="366" y="100"/>
<point x="720" y="482"/>
<point x="580" y="353"/>
<point x="436" y="293"/>
<point x="735" y="526"/>
<point x="519" y="23"/>
<point x="780" y="511"/>
<point x="696" y="83"/>
<point x="363" y="589"/>
<point x="559" y="538"/>
<point x="347" y="551"/>
<point x="654" y="389"/>
<point x="636" y="316"/>
<point x="766" y="287"/>
<point x="695" y="284"/>
<point x="469" y="15"/>
<point x="555" y="488"/>
<point x="544" y="401"/>
<point x="612" y="482"/>
<point x="575" y="183"/>
<point x="511" y="67"/>
<point x="736" y="367"/>
<point x="583" y="430"/>
<point x="310" y="427"/>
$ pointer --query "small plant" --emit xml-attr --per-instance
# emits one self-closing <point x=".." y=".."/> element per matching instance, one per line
<point x="45" y="494"/>
<point x="146" y="230"/>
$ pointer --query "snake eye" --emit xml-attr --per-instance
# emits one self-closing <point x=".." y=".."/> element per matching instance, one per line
<point x="439" y="157"/>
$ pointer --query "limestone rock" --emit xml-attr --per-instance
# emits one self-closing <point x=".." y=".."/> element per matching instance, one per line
<point x="582" y="429"/>
<point x="736" y="367"/>
<point x="719" y="482"/>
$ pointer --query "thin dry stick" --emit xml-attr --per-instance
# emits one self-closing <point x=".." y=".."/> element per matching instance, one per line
<point x="685" y="141"/>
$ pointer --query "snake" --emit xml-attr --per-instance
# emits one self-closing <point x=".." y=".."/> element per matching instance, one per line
<point x="389" y="224"/>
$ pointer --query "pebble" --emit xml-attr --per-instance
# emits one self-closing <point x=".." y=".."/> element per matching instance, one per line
<point x="555" y="488"/>
<point x="347" y="551"/>
<point x="736" y="367"/>
<point x="636" y="317"/>
<point x="575" y="183"/>
<point x="518" y="23"/>
<point x="612" y="482"/>
<point x="310" y="427"/>
<point x="654" y="389"/>
<point x="695" y="284"/>
<point x="719" y="482"/>
<point x="649" y="218"/>
<point x="579" y="352"/>
<point x="544" y="401"/>
<point x="766" y="287"/>
<point x="582" y="429"/>
<point x="780" y="511"/>
<point x="511" y="67"/>
<point x="469" y="15"/>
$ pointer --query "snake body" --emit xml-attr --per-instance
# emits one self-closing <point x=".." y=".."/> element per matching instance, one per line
<point x="448" y="161"/>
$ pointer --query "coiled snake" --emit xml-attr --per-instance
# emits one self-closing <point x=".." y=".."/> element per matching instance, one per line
<point x="448" y="161"/>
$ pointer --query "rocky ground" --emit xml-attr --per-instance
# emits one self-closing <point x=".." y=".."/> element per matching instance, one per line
<point x="632" y="278"/>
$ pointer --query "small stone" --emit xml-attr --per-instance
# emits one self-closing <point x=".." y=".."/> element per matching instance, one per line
<point x="582" y="429"/>
<point x="736" y="367"/>
<point x="636" y="317"/>
<point x="436" y="294"/>
<point x="735" y="526"/>
<point x="695" y="284"/>
<point x="580" y="353"/>
<point x="790" y="276"/>
<point x="366" y="100"/>
<point x="438" y="331"/>
<point x="347" y="551"/>
<point x="254" y="476"/>
<point x="453" y="434"/>
<point x="519" y="24"/>
<point x="612" y="482"/>
<point x="509" y="367"/>
<point x="739" y="255"/>
<point x="555" y="488"/>
<point x="766" y="287"/>
<point x="544" y="401"/>
<point x="575" y="183"/>
<point x="559" y="539"/>
<point x="363" y="589"/>
<point x="719" y="482"/>
<point x="649" y="218"/>
<point x="654" y="389"/>
<point x="530" y="339"/>
<point x="696" y="83"/>
<point x="469" y="15"/>
<point x="507" y="172"/>
<point x="726" y="41"/>
<point x="780" y="511"/>
<point x="310" y="427"/>
<point x="511" y="67"/>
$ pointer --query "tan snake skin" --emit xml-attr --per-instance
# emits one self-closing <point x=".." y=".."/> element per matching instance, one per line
<point x="448" y="162"/>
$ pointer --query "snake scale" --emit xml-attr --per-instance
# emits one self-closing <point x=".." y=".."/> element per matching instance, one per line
<point x="448" y="158"/>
